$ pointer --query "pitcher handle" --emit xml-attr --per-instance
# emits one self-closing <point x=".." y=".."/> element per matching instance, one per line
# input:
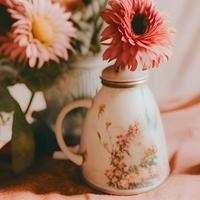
<point x="77" y="159"/>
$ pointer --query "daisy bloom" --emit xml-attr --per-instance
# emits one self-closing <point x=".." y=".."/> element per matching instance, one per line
<point x="68" y="5"/>
<point x="137" y="34"/>
<point x="41" y="32"/>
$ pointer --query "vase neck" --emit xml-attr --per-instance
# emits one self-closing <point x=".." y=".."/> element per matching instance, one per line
<point x="124" y="78"/>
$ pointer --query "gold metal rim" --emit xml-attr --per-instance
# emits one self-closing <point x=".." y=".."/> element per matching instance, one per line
<point x="128" y="84"/>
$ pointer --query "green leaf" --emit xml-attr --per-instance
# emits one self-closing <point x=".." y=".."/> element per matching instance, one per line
<point x="41" y="79"/>
<point x="8" y="75"/>
<point x="35" y="79"/>
<point x="5" y="20"/>
<point x="87" y="2"/>
<point x="7" y="104"/>
<point x="23" y="147"/>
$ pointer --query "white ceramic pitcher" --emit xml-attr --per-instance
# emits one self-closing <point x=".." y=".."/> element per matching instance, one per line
<point x="123" y="149"/>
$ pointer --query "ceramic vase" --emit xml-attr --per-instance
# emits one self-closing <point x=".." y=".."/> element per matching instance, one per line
<point x="122" y="149"/>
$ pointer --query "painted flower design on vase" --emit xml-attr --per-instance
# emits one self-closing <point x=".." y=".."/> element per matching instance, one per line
<point x="121" y="174"/>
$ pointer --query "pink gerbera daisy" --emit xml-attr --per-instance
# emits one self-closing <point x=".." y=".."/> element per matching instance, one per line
<point x="41" y="32"/>
<point x="137" y="34"/>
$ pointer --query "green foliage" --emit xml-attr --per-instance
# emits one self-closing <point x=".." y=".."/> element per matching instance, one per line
<point x="88" y="24"/>
<point x="5" y="20"/>
<point x="35" y="79"/>
<point x="40" y="79"/>
<point x="87" y="2"/>
<point x="23" y="147"/>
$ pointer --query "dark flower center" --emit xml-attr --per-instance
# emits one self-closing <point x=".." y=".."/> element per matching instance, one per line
<point x="139" y="24"/>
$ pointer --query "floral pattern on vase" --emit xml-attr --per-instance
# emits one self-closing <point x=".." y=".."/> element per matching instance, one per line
<point x="122" y="175"/>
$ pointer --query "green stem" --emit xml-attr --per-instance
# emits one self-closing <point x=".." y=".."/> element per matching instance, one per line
<point x="95" y="47"/>
<point x="29" y="104"/>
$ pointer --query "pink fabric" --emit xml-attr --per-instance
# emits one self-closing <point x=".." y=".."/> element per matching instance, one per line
<point x="183" y="137"/>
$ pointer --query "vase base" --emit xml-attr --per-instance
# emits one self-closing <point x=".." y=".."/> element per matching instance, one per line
<point x="123" y="192"/>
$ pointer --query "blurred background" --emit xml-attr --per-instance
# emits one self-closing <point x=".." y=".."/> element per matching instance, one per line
<point x="179" y="78"/>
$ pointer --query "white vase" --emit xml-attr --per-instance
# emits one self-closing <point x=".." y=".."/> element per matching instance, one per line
<point x="80" y="80"/>
<point x="122" y="149"/>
